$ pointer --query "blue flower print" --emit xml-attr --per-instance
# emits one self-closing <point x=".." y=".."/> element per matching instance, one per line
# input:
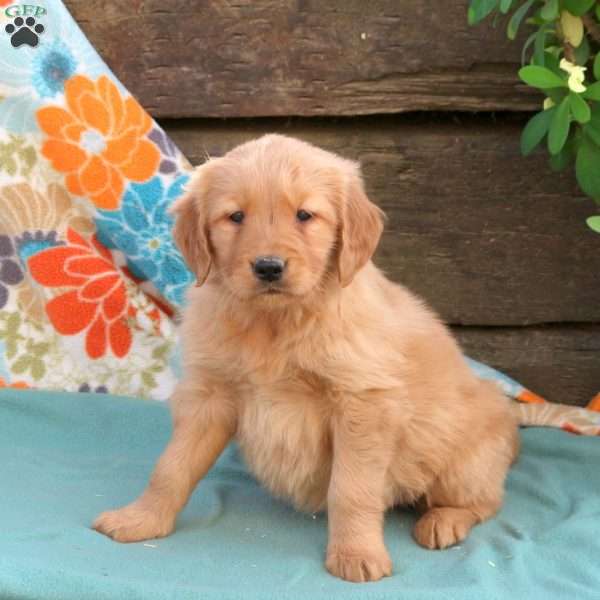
<point x="141" y="229"/>
<point x="51" y="66"/>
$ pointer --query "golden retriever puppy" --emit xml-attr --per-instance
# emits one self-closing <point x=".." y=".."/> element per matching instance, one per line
<point x="344" y="391"/>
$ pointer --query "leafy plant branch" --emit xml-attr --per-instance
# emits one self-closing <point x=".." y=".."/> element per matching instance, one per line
<point x="561" y="58"/>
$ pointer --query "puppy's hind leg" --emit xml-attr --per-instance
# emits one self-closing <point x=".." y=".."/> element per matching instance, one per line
<point x="445" y="526"/>
<point x="470" y="491"/>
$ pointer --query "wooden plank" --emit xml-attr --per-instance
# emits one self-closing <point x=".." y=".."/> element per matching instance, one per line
<point x="560" y="363"/>
<point x="486" y="236"/>
<point x="304" y="57"/>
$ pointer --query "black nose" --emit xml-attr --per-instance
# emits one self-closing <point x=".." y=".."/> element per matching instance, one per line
<point x="268" y="268"/>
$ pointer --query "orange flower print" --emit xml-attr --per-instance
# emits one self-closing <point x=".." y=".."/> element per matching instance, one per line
<point x="97" y="301"/>
<point x="98" y="141"/>
<point x="15" y="384"/>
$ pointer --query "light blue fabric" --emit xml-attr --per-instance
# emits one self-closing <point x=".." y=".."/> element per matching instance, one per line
<point x="67" y="457"/>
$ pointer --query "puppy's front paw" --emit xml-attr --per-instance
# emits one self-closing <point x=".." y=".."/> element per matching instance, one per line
<point x="133" y="523"/>
<point x="359" y="565"/>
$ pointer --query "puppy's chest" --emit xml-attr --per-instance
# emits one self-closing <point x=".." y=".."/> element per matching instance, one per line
<point x="284" y="433"/>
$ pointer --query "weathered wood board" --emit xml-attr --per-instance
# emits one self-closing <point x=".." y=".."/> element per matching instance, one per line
<point x="560" y="363"/>
<point x="470" y="228"/>
<point x="248" y="58"/>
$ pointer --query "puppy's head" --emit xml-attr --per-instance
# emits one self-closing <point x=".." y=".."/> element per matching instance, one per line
<point x="276" y="218"/>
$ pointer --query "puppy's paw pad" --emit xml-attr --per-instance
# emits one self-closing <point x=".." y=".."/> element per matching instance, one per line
<point x="440" y="527"/>
<point x="132" y="524"/>
<point x="359" y="567"/>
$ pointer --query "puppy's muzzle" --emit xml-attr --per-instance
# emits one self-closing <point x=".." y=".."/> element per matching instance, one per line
<point x="268" y="268"/>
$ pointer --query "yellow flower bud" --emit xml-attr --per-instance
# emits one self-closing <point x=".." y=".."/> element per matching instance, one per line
<point x="572" y="28"/>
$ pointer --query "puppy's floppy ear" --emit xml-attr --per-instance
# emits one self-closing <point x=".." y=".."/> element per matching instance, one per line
<point x="190" y="231"/>
<point x="360" y="228"/>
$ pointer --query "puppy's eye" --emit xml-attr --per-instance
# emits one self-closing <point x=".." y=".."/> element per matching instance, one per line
<point x="303" y="215"/>
<point x="237" y="217"/>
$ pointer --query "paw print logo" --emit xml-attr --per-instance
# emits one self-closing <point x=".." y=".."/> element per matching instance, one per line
<point x="24" y="31"/>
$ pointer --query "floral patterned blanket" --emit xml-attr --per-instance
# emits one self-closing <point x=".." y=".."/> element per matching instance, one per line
<point x="89" y="275"/>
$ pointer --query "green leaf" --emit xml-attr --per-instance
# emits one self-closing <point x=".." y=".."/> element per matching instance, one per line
<point x="160" y="352"/>
<point x="582" y="52"/>
<point x="565" y="157"/>
<point x="535" y="130"/>
<point x="526" y="46"/>
<point x="597" y="64"/>
<point x="592" y="130"/>
<point x="38" y="369"/>
<point x="598" y="12"/>
<point x="550" y="10"/>
<point x="592" y="92"/>
<point x="21" y="364"/>
<point x="540" y="77"/>
<point x="579" y="108"/>
<point x="587" y="168"/>
<point x="11" y="349"/>
<point x="559" y="127"/>
<point x="515" y="21"/>
<point x="13" y="323"/>
<point x="594" y="223"/>
<point x="9" y="165"/>
<point x="535" y="20"/>
<point x="539" y="50"/>
<point x="578" y="7"/>
<point x="552" y="62"/>
<point x="505" y="6"/>
<point x="28" y="156"/>
<point x="148" y="379"/>
<point x="40" y="348"/>
<point x="480" y="9"/>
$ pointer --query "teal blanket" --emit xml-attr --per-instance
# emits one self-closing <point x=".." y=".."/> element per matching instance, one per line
<point x="67" y="457"/>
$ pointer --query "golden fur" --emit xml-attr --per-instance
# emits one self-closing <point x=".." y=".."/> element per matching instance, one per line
<point x="344" y="390"/>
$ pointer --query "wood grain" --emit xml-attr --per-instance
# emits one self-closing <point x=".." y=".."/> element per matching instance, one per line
<point x="248" y="58"/>
<point x="487" y="237"/>
<point x="560" y="363"/>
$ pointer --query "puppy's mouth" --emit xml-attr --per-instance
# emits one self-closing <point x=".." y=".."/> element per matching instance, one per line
<point x="271" y="290"/>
